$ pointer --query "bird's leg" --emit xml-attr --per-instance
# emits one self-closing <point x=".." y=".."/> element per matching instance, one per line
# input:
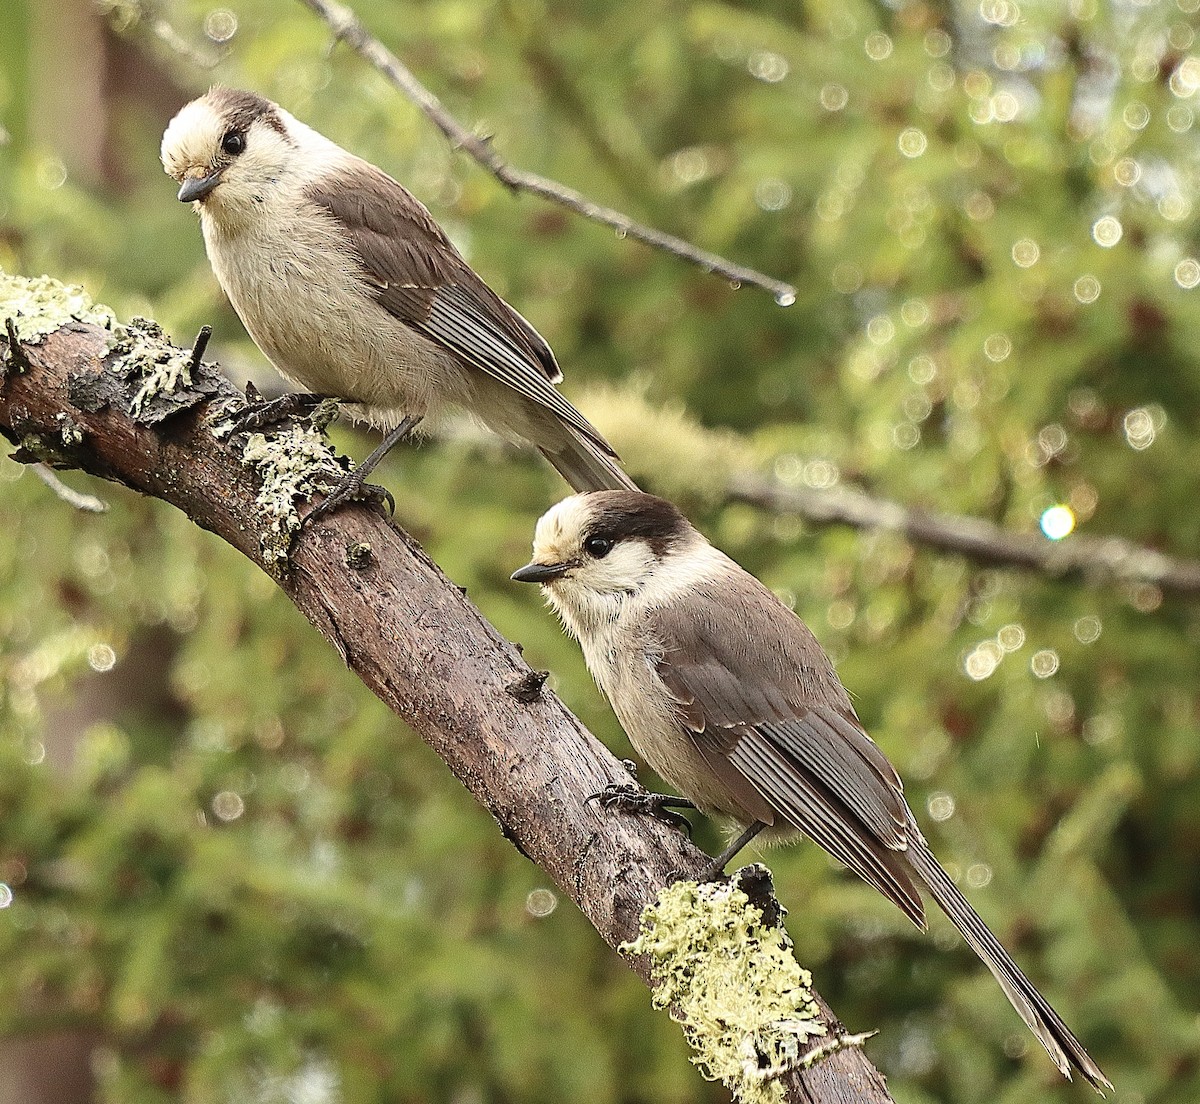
<point x="354" y="485"/>
<point x="633" y="799"/>
<point x="716" y="869"/>
<point x="259" y="412"/>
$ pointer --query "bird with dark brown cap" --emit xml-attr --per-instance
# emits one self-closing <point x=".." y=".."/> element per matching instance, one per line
<point x="352" y="290"/>
<point x="728" y="696"/>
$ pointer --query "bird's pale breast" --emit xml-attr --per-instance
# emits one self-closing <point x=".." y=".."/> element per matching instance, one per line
<point x="299" y="295"/>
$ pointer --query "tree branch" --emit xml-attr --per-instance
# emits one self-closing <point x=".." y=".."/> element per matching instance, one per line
<point x="1094" y="559"/>
<point x="371" y="591"/>
<point x="348" y="28"/>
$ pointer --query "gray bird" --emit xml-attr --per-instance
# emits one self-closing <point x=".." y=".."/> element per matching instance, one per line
<point x="728" y="696"/>
<point x="349" y="287"/>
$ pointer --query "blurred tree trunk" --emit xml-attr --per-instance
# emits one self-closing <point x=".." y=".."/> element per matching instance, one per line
<point x="46" y="1069"/>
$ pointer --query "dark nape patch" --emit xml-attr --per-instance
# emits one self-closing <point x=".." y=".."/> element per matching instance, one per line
<point x="632" y="515"/>
<point x="241" y="108"/>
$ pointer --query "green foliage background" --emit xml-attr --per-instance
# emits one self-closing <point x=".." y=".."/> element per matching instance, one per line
<point x="242" y="879"/>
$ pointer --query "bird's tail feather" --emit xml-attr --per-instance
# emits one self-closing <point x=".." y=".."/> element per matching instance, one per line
<point x="582" y="464"/>
<point x="1033" y="1008"/>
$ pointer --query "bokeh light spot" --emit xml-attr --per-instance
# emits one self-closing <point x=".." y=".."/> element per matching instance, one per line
<point x="912" y="142"/>
<point x="1141" y="426"/>
<point x="1087" y="630"/>
<point x="228" y="805"/>
<point x="220" y="25"/>
<point x="1107" y="231"/>
<point x="1058" y="522"/>
<point x="1136" y="116"/>
<point x="101" y="657"/>
<point x="940" y="806"/>
<point x="981" y="662"/>
<point x="1087" y="289"/>
<point x="1011" y="638"/>
<point x="834" y="97"/>
<point x="1044" y="663"/>
<point x="997" y="347"/>
<point x="1127" y="172"/>
<point x="541" y="903"/>
<point x="878" y="46"/>
<point x="1187" y="273"/>
<point x="1025" y="253"/>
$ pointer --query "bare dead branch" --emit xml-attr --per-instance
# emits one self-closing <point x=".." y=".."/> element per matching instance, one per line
<point x="348" y="28"/>
<point x="1096" y="560"/>
<point x="77" y="500"/>
<point x="404" y="628"/>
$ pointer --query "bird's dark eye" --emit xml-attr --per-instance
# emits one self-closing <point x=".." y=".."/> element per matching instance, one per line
<point x="598" y="547"/>
<point x="233" y="143"/>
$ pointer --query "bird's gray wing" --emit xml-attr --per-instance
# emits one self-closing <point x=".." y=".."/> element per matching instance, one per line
<point x="413" y="271"/>
<point x="765" y="708"/>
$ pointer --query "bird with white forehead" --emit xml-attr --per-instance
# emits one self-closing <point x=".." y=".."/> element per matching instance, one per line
<point x="725" y="692"/>
<point x="352" y="290"/>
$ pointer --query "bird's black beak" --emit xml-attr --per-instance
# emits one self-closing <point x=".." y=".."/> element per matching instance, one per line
<point x="197" y="187"/>
<point x="540" y="573"/>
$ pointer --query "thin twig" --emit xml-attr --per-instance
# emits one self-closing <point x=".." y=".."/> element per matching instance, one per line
<point x="16" y="354"/>
<point x="198" y="347"/>
<point x="1095" y="559"/>
<point x="89" y="504"/>
<point x="348" y="28"/>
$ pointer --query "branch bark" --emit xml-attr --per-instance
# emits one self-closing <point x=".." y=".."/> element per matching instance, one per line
<point x="399" y="624"/>
<point x="348" y="28"/>
<point x="1094" y="559"/>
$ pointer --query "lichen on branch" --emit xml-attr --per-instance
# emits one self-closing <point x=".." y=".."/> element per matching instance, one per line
<point x="732" y="981"/>
<point x="40" y="305"/>
<point x="291" y="464"/>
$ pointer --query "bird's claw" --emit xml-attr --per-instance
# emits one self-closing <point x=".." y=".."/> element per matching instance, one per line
<point x="258" y="413"/>
<point x="352" y="487"/>
<point x="632" y="799"/>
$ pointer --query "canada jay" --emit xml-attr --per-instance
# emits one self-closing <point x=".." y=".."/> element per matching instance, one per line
<point x="351" y="290"/>
<point x="727" y="695"/>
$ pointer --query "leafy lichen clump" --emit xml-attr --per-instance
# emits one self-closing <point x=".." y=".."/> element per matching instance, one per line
<point x="734" y="984"/>
<point x="41" y="305"/>
<point x="291" y="465"/>
<point x="143" y="350"/>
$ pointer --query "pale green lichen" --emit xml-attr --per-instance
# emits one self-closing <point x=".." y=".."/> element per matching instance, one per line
<point x="732" y="981"/>
<point x="41" y="305"/>
<point x="292" y="463"/>
<point x="69" y="430"/>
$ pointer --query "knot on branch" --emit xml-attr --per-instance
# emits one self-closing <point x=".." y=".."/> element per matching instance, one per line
<point x="528" y="688"/>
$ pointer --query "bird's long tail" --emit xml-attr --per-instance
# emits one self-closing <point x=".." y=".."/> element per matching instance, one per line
<point x="1033" y="1008"/>
<point x="585" y="465"/>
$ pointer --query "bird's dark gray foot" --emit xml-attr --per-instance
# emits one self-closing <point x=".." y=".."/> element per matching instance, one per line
<point x="633" y="799"/>
<point x="712" y="872"/>
<point x="352" y="487"/>
<point x="259" y="413"/>
<point x="715" y="870"/>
